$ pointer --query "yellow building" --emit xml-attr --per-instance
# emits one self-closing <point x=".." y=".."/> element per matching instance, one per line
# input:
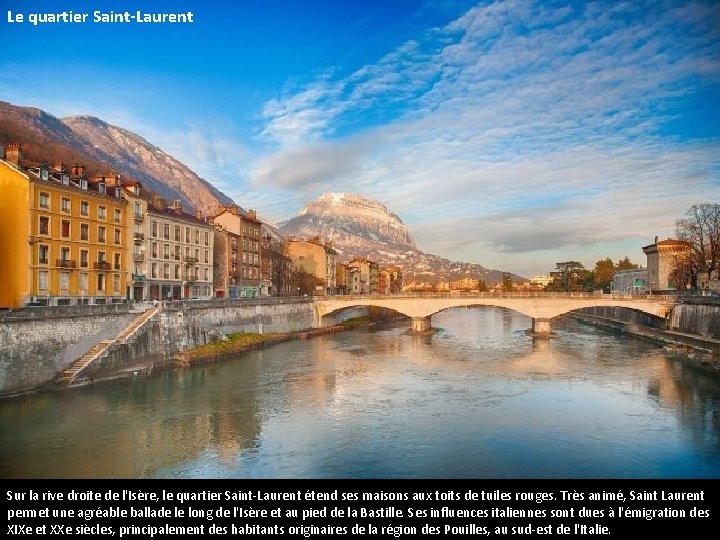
<point x="315" y="258"/>
<point x="63" y="236"/>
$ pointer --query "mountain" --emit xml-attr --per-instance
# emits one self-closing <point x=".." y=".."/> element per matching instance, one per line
<point x="105" y="148"/>
<point x="359" y="227"/>
<point x="356" y="225"/>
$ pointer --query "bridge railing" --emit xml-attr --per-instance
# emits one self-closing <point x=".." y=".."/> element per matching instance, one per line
<point x="528" y="294"/>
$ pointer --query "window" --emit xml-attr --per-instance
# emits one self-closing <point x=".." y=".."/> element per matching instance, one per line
<point x="64" y="254"/>
<point x="197" y="236"/>
<point x="43" y="252"/>
<point x="177" y="271"/>
<point x="83" y="283"/>
<point x="138" y="210"/>
<point x="207" y="275"/>
<point x="102" y="212"/>
<point x="65" y="228"/>
<point x="207" y="257"/>
<point x="117" y="236"/>
<point x="64" y="281"/>
<point x="166" y="251"/>
<point x="166" y="231"/>
<point x="116" y="283"/>
<point x="154" y="229"/>
<point x="177" y="252"/>
<point x="43" y="280"/>
<point x="187" y="235"/>
<point x="44" y="200"/>
<point x="84" y="208"/>
<point x="44" y="225"/>
<point x="153" y="270"/>
<point x="84" y="258"/>
<point x="84" y="231"/>
<point x="101" y="282"/>
<point x="207" y="238"/>
<point x="65" y="205"/>
<point x="117" y="215"/>
<point x="166" y="271"/>
<point x="178" y="232"/>
<point x="101" y="234"/>
<point x="101" y="256"/>
<point x="116" y="261"/>
<point x="154" y="250"/>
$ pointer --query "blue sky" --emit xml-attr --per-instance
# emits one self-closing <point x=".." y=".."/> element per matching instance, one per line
<point x="514" y="134"/>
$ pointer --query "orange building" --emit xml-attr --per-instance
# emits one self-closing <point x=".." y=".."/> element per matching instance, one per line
<point x="63" y="236"/>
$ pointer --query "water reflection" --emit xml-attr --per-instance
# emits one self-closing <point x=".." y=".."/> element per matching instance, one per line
<point x="479" y="398"/>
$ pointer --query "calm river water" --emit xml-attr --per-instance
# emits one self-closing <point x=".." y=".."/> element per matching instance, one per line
<point x="477" y="399"/>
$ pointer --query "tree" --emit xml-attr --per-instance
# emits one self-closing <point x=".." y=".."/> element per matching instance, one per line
<point x="701" y="227"/>
<point x="568" y="276"/>
<point x="604" y="273"/>
<point x="507" y="284"/>
<point x="682" y="272"/>
<point x="303" y="283"/>
<point x="625" y="264"/>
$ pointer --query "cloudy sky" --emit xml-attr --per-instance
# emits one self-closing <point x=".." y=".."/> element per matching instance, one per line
<point x="514" y="134"/>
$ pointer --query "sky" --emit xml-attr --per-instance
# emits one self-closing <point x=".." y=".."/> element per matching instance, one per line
<point x="513" y="134"/>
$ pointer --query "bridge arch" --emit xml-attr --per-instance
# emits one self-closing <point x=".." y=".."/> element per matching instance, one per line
<point x="540" y="307"/>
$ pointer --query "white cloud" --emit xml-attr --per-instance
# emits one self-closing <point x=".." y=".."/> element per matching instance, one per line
<point x="515" y="109"/>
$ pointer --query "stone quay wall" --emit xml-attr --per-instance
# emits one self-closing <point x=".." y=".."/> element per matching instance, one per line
<point x="34" y="349"/>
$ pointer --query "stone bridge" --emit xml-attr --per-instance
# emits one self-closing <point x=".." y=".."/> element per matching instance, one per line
<point x="540" y="306"/>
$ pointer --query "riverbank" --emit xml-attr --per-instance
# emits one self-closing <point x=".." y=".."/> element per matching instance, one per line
<point x="704" y="350"/>
<point x="236" y="344"/>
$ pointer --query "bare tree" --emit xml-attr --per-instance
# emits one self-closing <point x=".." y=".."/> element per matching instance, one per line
<point x="701" y="227"/>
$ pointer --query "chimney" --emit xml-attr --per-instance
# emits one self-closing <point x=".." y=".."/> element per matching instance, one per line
<point x="177" y="206"/>
<point x="252" y="214"/>
<point x="13" y="154"/>
<point x="158" y="202"/>
<point x="198" y="214"/>
<point x="59" y="167"/>
<point x="78" y="170"/>
<point x="656" y="239"/>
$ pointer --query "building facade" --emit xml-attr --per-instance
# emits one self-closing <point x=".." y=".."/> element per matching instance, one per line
<point x="64" y="235"/>
<point x="316" y="258"/>
<point x="178" y="253"/>
<point x="247" y="231"/>
<point x="629" y="281"/>
<point x="390" y="281"/>
<point x="662" y="258"/>
<point x="363" y="275"/>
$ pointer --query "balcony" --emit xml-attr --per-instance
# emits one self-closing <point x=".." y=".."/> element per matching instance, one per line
<point x="191" y="260"/>
<point x="138" y="237"/>
<point x="138" y="257"/>
<point x="191" y="279"/>
<point x="102" y="265"/>
<point x="65" y="263"/>
<point x="138" y="277"/>
<point x="139" y="216"/>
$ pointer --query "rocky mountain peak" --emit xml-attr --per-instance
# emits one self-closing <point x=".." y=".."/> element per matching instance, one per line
<point x="350" y="220"/>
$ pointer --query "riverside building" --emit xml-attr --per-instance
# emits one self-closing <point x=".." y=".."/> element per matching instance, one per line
<point x="64" y="235"/>
<point x="178" y="253"/>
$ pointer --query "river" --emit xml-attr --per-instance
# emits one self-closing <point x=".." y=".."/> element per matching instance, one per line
<point x="479" y="398"/>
